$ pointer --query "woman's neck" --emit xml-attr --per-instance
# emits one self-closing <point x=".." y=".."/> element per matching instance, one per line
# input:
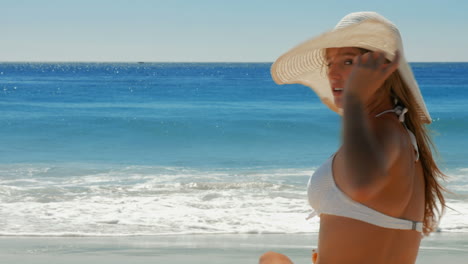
<point x="378" y="106"/>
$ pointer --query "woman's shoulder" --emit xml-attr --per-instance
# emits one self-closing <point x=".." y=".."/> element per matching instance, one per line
<point x="391" y="137"/>
<point x="394" y="140"/>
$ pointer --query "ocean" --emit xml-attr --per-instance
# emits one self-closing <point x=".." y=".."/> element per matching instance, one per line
<point x="125" y="149"/>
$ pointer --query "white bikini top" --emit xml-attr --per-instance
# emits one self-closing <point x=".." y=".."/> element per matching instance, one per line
<point x="326" y="198"/>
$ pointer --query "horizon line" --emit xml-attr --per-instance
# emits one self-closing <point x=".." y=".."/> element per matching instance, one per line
<point x="143" y="62"/>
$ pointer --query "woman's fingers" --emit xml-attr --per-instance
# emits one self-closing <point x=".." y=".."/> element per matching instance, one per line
<point x="372" y="59"/>
<point x="357" y="60"/>
<point x="392" y="66"/>
<point x="381" y="58"/>
<point x="376" y="60"/>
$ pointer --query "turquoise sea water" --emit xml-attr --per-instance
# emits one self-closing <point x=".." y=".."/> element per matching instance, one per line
<point x="129" y="148"/>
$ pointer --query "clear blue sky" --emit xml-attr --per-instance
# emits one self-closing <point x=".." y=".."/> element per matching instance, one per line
<point x="212" y="30"/>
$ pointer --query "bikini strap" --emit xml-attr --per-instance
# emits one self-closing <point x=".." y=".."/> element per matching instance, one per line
<point x="400" y="111"/>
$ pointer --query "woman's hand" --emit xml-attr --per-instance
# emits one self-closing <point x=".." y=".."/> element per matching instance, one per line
<point x="369" y="72"/>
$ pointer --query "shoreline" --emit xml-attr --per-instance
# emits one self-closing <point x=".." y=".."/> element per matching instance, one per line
<point x="178" y="249"/>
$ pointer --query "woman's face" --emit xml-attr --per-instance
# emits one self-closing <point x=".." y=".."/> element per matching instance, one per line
<point x="340" y="63"/>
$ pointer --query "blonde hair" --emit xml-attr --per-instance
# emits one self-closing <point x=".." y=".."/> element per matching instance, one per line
<point x="434" y="200"/>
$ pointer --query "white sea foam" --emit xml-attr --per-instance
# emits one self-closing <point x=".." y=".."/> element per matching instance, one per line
<point x="127" y="201"/>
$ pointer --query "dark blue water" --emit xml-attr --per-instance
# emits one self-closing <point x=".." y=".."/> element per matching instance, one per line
<point x="194" y="115"/>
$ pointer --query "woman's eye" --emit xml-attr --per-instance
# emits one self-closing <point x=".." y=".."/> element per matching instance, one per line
<point x="348" y="62"/>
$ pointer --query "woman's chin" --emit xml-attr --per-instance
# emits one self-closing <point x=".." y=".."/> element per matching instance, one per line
<point x="338" y="103"/>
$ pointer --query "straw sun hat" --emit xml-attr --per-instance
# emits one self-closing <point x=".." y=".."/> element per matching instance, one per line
<point x="305" y="64"/>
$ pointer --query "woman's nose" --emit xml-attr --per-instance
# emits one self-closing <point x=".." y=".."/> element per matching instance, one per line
<point x="334" y="72"/>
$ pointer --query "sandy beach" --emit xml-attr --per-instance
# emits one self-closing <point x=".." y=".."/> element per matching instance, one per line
<point x="438" y="248"/>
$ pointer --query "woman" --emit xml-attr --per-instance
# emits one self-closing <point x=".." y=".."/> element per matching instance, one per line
<point x="378" y="194"/>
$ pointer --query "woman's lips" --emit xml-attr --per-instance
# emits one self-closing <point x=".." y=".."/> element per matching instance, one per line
<point x="337" y="91"/>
